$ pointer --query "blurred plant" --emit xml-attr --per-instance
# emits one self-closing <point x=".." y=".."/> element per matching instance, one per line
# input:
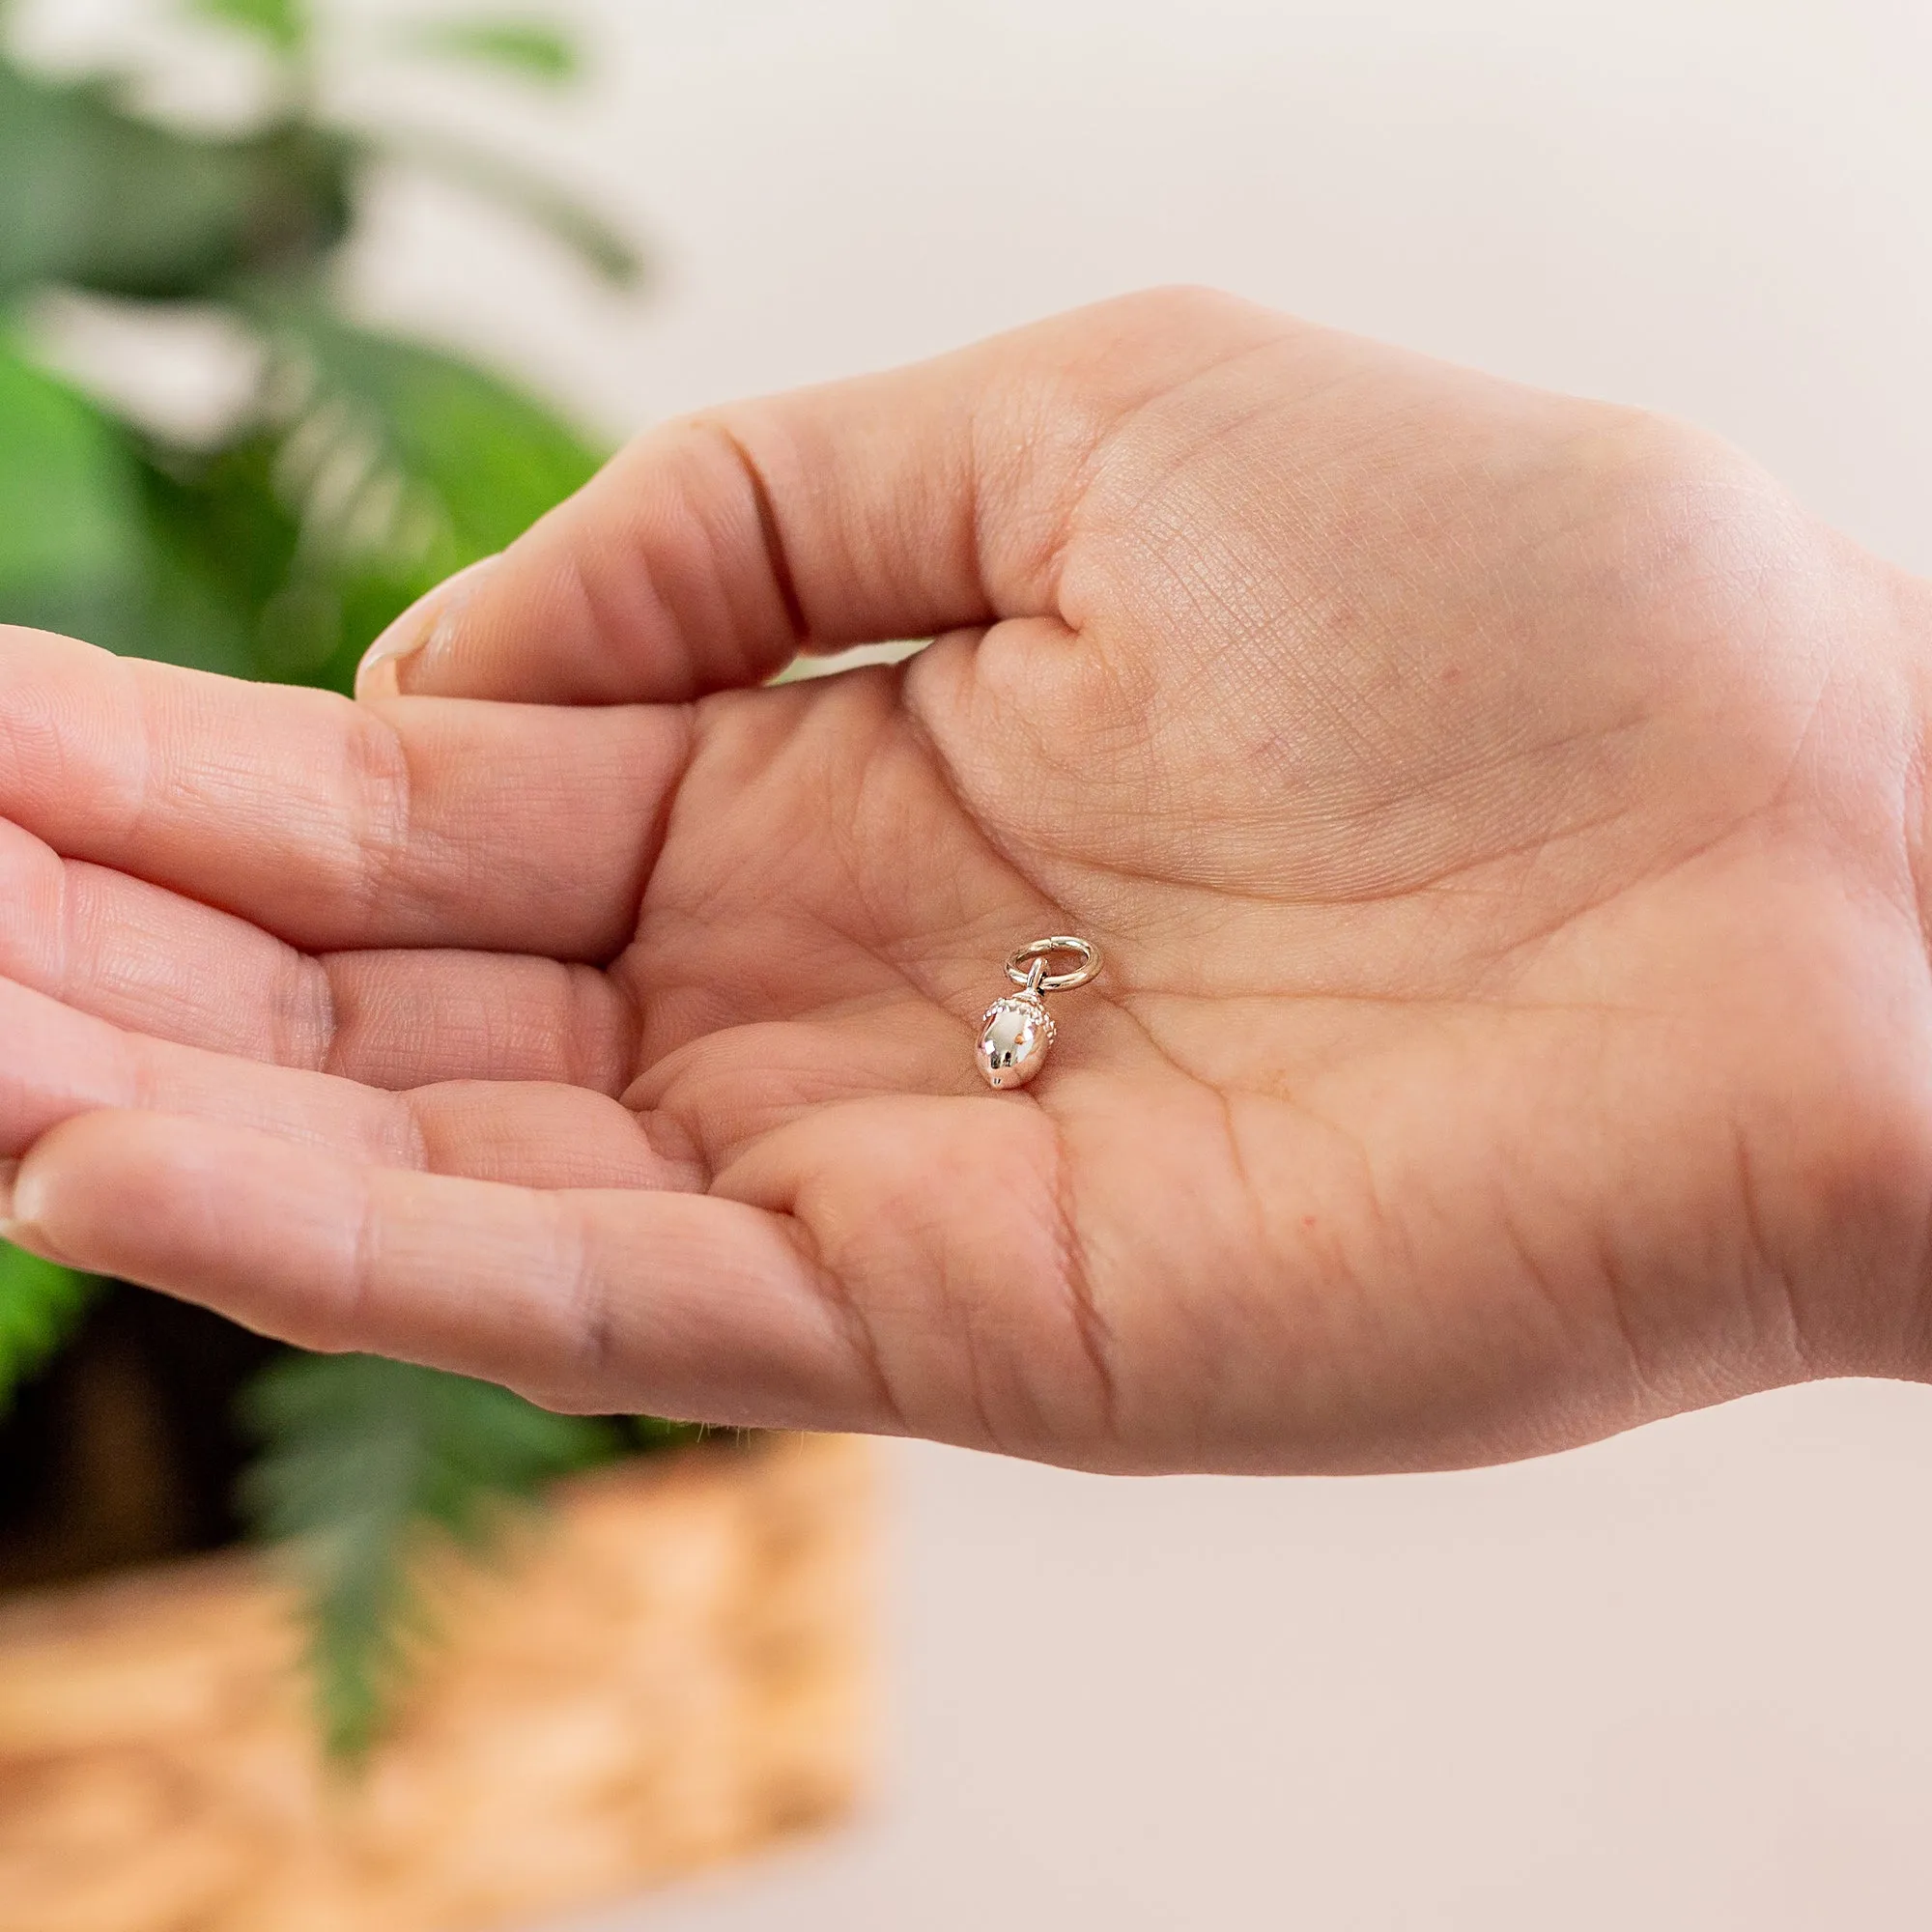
<point x="366" y="1463"/>
<point x="360" y="468"/>
<point x="40" y="1305"/>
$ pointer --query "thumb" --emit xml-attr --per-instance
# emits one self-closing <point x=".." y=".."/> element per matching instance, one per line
<point x="716" y="548"/>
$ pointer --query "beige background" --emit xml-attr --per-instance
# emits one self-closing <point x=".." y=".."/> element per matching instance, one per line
<point x="1680" y="1680"/>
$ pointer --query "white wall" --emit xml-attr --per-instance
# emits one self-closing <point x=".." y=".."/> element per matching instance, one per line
<point x="1678" y="1681"/>
<point x="1721" y="207"/>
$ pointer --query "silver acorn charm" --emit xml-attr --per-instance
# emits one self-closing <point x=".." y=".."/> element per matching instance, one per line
<point x="1016" y="1032"/>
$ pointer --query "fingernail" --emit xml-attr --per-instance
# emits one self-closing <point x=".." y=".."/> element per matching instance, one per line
<point x="428" y="624"/>
<point x="19" y="1205"/>
<point x="22" y="1208"/>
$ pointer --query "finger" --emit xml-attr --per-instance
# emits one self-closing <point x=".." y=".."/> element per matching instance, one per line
<point x="662" y="1302"/>
<point x="900" y="505"/>
<point x="56" y="1064"/>
<point x="148" y="960"/>
<point x="407" y="1019"/>
<point x="139" y="955"/>
<point x="328" y="824"/>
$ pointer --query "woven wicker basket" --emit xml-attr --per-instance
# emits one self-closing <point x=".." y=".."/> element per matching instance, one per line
<point x="667" y="1671"/>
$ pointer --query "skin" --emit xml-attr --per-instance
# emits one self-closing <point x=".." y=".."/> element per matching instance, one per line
<point x="1501" y="814"/>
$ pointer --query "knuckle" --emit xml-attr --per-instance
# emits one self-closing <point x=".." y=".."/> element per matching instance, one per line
<point x="379" y="784"/>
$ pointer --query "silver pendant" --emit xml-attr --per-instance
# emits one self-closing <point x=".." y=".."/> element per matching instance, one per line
<point x="1016" y="1031"/>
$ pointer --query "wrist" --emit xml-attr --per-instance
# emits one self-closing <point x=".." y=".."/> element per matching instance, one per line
<point x="1832" y="1094"/>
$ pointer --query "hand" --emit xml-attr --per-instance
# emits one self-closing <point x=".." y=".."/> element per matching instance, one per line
<point x="1499" y="813"/>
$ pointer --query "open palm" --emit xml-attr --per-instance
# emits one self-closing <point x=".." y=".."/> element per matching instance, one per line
<point x="1497" y="811"/>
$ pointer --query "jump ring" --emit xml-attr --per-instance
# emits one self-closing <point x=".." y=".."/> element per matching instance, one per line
<point x="1020" y="966"/>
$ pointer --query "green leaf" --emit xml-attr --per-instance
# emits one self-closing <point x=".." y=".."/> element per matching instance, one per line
<point x="72" y="540"/>
<point x="399" y="464"/>
<point x="477" y="455"/>
<point x="598" y="242"/>
<point x="234" y="585"/>
<point x="285" y="24"/>
<point x="222" y="546"/>
<point x="40" y="1305"/>
<point x="93" y="196"/>
<point x="526" y="47"/>
<point x="281" y="554"/>
<point x="368" y="1467"/>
